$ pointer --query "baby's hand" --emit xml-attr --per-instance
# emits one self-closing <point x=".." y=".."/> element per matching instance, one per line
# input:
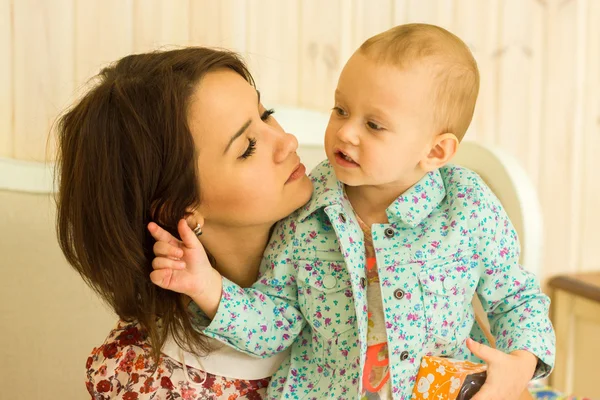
<point x="507" y="374"/>
<point x="183" y="267"/>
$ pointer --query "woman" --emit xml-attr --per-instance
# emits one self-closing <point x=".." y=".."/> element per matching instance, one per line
<point x="160" y="137"/>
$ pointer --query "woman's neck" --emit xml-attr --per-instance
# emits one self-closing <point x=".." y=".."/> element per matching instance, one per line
<point x="237" y="252"/>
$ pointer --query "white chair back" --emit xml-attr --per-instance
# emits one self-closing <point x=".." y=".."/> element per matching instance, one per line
<point x="509" y="181"/>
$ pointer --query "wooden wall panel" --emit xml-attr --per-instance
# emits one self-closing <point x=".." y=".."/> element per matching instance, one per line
<point x="272" y="49"/>
<point x="6" y="79"/>
<point x="43" y="72"/>
<point x="369" y="21"/>
<point x="325" y="46"/>
<point x="539" y="63"/>
<point x="587" y="256"/>
<point x="157" y="23"/>
<point x="556" y="147"/>
<point x="103" y="34"/>
<point x="205" y="29"/>
<point x="467" y="25"/>
<point x="514" y="73"/>
<point x="219" y="23"/>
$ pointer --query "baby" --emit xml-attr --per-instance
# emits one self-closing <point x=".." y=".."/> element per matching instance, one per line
<point x="380" y="267"/>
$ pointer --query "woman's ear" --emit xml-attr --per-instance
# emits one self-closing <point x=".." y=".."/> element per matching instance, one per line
<point x="194" y="218"/>
<point x="443" y="148"/>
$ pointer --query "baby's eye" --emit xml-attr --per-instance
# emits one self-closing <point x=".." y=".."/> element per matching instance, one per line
<point x="374" y="126"/>
<point x="340" y="112"/>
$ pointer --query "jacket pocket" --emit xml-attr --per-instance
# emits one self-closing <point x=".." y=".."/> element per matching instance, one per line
<point x="446" y="300"/>
<point x="325" y="297"/>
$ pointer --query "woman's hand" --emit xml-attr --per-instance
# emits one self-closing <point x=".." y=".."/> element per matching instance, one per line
<point x="183" y="267"/>
<point x="507" y="374"/>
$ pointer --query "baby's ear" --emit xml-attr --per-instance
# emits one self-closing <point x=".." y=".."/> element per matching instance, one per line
<point x="443" y="148"/>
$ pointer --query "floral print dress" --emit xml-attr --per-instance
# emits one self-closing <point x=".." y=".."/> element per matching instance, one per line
<point x="122" y="368"/>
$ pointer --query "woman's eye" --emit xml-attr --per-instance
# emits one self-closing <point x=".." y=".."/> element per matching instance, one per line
<point x="267" y="114"/>
<point x="340" y="112"/>
<point x="374" y="126"/>
<point x="250" y="150"/>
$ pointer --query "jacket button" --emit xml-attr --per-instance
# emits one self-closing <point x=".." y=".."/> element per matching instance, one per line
<point x="389" y="233"/>
<point x="329" y="281"/>
<point x="342" y="218"/>
<point x="363" y="283"/>
<point x="399" y="294"/>
<point x="404" y="356"/>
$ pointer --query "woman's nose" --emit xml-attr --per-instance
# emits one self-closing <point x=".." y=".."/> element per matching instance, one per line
<point x="286" y="145"/>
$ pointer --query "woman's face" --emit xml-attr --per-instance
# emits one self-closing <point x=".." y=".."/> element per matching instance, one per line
<point x="249" y="172"/>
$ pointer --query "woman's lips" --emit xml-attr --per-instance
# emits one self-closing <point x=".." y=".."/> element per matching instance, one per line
<point x="297" y="173"/>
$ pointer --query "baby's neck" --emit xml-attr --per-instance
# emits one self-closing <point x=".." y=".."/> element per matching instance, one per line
<point x="237" y="252"/>
<point x="371" y="202"/>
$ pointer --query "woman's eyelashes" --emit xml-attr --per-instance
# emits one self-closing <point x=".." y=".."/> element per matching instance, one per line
<point x="250" y="149"/>
<point x="267" y="114"/>
<point x="252" y="141"/>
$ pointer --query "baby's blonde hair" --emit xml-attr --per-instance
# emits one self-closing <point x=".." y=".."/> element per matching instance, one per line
<point x="455" y="69"/>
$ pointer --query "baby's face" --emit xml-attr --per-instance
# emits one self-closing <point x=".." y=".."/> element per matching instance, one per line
<point x="381" y="125"/>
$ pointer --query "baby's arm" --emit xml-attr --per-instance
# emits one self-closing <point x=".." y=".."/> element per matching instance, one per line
<point x="261" y="320"/>
<point x="516" y="307"/>
<point x="265" y="318"/>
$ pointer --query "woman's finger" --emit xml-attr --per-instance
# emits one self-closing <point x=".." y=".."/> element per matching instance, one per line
<point x="164" y="249"/>
<point x="486" y="353"/>
<point x="167" y="263"/>
<point x="485" y="393"/>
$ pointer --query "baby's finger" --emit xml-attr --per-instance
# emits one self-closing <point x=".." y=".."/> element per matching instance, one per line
<point x="189" y="238"/>
<point x="167" y="263"/>
<point x="170" y="279"/>
<point x="164" y="249"/>
<point x="162" y="278"/>
<point x="162" y="235"/>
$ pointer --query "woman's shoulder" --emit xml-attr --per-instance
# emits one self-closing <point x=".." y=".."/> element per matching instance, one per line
<point x="120" y="363"/>
<point x="123" y="368"/>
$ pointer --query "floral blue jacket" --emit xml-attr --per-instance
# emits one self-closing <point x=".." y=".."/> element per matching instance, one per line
<point x="447" y="238"/>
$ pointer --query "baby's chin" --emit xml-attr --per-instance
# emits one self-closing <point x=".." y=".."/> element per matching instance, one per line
<point x="349" y="178"/>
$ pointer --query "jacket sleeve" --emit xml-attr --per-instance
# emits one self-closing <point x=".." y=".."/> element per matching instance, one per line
<point x="264" y="319"/>
<point x="511" y="296"/>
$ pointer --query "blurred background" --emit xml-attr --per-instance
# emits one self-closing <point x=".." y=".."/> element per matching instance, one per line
<point x="539" y="101"/>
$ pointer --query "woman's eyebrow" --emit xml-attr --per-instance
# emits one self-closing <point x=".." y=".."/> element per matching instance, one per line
<point x="237" y="134"/>
<point x="242" y="129"/>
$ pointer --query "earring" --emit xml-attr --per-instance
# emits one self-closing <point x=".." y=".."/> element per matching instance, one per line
<point x="198" y="230"/>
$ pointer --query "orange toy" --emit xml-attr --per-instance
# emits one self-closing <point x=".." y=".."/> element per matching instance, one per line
<point x="443" y="378"/>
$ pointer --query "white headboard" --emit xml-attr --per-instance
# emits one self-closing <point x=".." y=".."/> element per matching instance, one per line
<point x="26" y="176"/>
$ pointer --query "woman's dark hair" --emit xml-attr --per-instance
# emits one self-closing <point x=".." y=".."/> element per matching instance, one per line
<point x="126" y="157"/>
